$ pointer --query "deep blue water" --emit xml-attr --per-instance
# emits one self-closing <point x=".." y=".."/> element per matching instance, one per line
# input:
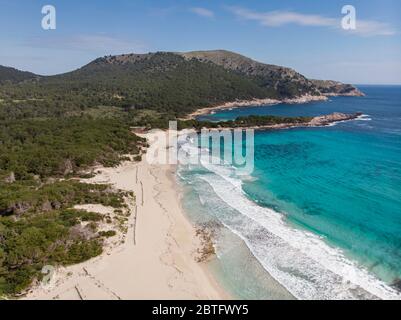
<point x="342" y="183"/>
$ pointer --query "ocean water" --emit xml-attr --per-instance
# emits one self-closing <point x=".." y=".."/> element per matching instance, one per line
<point x="320" y="215"/>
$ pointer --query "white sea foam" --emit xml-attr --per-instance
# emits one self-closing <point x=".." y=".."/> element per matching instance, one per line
<point x="300" y="260"/>
<point x="201" y="200"/>
<point x="364" y="117"/>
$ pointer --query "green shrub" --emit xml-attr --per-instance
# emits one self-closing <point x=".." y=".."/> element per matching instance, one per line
<point x="107" y="234"/>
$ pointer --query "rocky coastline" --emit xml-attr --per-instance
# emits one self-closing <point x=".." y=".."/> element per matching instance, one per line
<point x="318" y="121"/>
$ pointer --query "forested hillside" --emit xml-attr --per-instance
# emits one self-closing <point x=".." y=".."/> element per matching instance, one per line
<point x="11" y="75"/>
<point x="285" y="82"/>
<point x="163" y="82"/>
<point x="39" y="160"/>
<point x="169" y="83"/>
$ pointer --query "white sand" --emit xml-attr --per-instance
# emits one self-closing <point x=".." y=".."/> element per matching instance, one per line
<point x="156" y="261"/>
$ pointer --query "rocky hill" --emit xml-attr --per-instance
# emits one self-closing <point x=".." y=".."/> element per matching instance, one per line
<point x="12" y="75"/>
<point x="285" y="81"/>
<point x="335" y="88"/>
<point x="166" y="82"/>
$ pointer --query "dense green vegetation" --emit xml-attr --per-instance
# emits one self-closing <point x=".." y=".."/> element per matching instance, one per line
<point x="11" y="75"/>
<point x="168" y="83"/>
<point x="37" y="225"/>
<point x="60" y="147"/>
<point x="284" y="82"/>
<point x="249" y="121"/>
<point x="30" y="243"/>
<point x="163" y="82"/>
<point x="22" y="198"/>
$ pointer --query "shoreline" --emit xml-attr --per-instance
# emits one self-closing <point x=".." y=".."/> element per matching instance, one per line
<point x="253" y="103"/>
<point x="157" y="260"/>
<point x="315" y="122"/>
<point x="319" y="121"/>
<point x="333" y="266"/>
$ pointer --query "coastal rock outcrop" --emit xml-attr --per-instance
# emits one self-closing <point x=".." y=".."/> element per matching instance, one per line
<point x="335" y="88"/>
<point x="331" y="118"/>
<point x="288" y="83"/>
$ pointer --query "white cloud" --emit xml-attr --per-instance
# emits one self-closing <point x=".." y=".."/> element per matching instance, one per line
<point x="373" y="28"/>
<point x="281" y="18"/>
<point x="203" y="12"/>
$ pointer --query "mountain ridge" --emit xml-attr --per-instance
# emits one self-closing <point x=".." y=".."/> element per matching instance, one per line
<point x="336" y="88"/>
<point x="14" y="75"/>
<point x="167" y="82"/>
<point x="250" y="67"/>
<point x="228" y="59"/>
<point x="267" y="75"/>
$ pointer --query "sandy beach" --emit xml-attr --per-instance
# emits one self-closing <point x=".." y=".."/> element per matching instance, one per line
<point x="155" y="259"/>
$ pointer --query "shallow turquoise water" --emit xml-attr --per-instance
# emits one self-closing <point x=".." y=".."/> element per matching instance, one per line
<point x="341" y="183"/>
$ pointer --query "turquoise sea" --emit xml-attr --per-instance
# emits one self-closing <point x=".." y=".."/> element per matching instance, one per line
<point x="320" y="215"/>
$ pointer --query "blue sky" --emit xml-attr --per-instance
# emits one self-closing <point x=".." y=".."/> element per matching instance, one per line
<point x="302" y="34"/>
